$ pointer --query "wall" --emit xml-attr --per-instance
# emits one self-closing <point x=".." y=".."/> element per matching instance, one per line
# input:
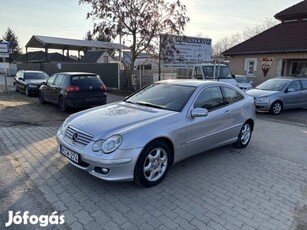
<point x="237" y="64"/>
<point x="108" y="72"/>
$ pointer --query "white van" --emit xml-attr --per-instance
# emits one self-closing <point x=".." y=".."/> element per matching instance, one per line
<point x="210" y="71"/>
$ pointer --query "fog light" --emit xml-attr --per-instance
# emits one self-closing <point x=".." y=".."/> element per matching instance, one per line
<point x="105" y="170"/>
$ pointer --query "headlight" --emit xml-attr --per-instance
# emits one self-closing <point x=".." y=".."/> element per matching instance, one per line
<point x="109" y="145"/>
<point x="64" y="126"/>
<point x="262" y="99"/>
<point x="32" y="86"/>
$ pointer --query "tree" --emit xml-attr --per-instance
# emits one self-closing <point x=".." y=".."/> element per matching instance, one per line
<point x="10" y="37"/>
<point x="257" y="29"/>
<point x="89" y="36"/>
<point x="143" y="21"/>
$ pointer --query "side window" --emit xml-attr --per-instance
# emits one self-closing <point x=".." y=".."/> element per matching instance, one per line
<point x="304" y="84"/>
<point x="231" y="95"/>
<point x="295" y="85"/>
<point x="51" y="80"/>
<point x="210" y="98"/>
<point x="59" y="79"/>
<point x="197" y="72"/>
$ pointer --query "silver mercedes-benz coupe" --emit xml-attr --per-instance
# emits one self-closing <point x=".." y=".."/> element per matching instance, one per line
<point x="140" y="137"/>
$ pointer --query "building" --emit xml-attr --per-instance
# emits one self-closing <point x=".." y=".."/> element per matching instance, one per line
<point x="97" y="56"/>
<point x="278" y="51"/>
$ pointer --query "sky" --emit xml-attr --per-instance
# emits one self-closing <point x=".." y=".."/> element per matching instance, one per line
<point x="213" y="19"/>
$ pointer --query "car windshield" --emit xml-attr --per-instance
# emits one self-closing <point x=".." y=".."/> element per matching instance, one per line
<point x="273" y="85"/>
<point x="242" y="80"/>
<point x="220" y="71"/>
<point x="163" y="96"/>
<point x="35" y="76"/>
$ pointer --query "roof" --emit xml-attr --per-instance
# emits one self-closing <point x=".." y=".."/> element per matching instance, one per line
<point x="39" y="56"/>
<point x="37" y="41"/>
<point x="92" y="56"/>
<point x="282" y="38"/>
<point x="294" y="12"/>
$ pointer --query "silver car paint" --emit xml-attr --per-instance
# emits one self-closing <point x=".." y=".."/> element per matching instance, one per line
<point x="139" y="125"/>
<point x="289" y="100"/>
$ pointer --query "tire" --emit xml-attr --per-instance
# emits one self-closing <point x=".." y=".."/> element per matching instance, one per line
<point x="276" y="108"/>
<point x="27" y="91"/>
<point x="15" y="87"/>
<point x="244" y="136"/>
<point x="153" y="164"/>
<point x="41" y="98"/>
<point x="63" y="104"/>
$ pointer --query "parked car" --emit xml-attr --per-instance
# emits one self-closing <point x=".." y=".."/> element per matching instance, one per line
<point x="29" y="81"/>
<point x="277" y="94"/>
<point x="141" y="137"/>
<point x="243" y="82"/>
<point x="73" y="89"/>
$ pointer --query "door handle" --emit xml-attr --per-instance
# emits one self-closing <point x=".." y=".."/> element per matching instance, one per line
<point x="227" y="112"/>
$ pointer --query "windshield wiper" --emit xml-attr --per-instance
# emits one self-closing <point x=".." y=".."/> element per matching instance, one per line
<point x="149" y="104"/>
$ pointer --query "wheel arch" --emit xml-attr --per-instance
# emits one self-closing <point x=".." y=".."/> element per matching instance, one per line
<point x="168" y="142"/>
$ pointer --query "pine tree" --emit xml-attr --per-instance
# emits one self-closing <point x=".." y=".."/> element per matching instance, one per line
<point x="11" y="37"/>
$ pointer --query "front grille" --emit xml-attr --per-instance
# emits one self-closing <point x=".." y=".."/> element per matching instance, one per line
<point x="77" y="137"/>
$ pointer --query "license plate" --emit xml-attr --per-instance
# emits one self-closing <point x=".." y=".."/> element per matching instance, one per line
<point x="70" y="154"/>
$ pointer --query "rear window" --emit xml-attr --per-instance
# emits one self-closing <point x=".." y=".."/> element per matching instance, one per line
<point x="85" y="80"/>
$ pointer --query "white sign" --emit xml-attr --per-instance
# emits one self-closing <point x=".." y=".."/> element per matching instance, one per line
<point x="4" y="49"/>
<point x="185" y="49"/>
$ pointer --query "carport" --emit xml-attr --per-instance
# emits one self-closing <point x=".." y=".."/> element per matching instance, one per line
<point x="46" y="43"/>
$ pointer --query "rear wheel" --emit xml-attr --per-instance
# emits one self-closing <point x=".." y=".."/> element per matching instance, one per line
<point x="244" y="136"/>
<point x="276" y="108"/>
<point x="63" y="104"/>
<point x="153" y="164"/>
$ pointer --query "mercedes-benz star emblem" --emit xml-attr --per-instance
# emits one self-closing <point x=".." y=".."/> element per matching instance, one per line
<point x="75" y="136"/>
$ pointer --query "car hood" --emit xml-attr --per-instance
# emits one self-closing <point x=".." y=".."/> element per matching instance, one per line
<point x="116" y="118"/>
<point x="260" y="93"/>
<point x="34" y="81"/>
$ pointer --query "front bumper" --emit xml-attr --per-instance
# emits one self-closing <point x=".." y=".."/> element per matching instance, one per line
<point x="120" y="163"/>
<point x="260" y="106"/>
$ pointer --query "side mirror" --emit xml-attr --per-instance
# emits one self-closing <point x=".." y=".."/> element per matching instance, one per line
<point x="251" y="82"/>
<point x="199" y="112"/>
<point x="233" y="76"/>
<point x="20" y="79"/>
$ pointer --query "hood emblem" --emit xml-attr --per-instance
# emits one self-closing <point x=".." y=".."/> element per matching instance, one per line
<point x="75" y="136"/>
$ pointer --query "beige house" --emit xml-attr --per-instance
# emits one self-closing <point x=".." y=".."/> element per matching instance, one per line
<point x="278" y="51"/>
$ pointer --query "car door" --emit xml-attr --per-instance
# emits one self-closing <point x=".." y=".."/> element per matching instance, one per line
<point x="293" y="95"/>
<point x="48" y="88"/>
<point x="204" y="133"/>
<point x="57" y="86"/>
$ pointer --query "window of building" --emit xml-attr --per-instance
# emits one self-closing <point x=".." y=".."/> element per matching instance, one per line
<point x="299" y="68"/>
<point x="250" y="67"/>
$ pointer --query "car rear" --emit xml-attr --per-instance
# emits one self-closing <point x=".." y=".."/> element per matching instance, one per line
<point x="85" y="90"/>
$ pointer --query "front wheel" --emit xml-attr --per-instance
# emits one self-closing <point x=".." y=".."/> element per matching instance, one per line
<point x="41" y="98"/>
<point x="276" y="108"/>
<point x="153" y="164"/>
<point x="27" y="91"/>
<point x="244" y="136"/>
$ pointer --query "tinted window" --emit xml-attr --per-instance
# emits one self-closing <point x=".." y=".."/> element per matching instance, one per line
<point x="210" y="98"/>
<point x="85" y="80"/>
<point x="304" y="83"/>
<point x="59" y="80"/>
<point x="35" y="75"/>
<point x="231" y="95"/>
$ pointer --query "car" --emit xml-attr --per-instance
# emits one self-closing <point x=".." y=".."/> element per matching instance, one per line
<point x="73" y="90"/>
<point x="243" y="82"/>
<point x="277" y="94"/>
<point x="29" y="81"/>
<point x="139" y="138"/>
